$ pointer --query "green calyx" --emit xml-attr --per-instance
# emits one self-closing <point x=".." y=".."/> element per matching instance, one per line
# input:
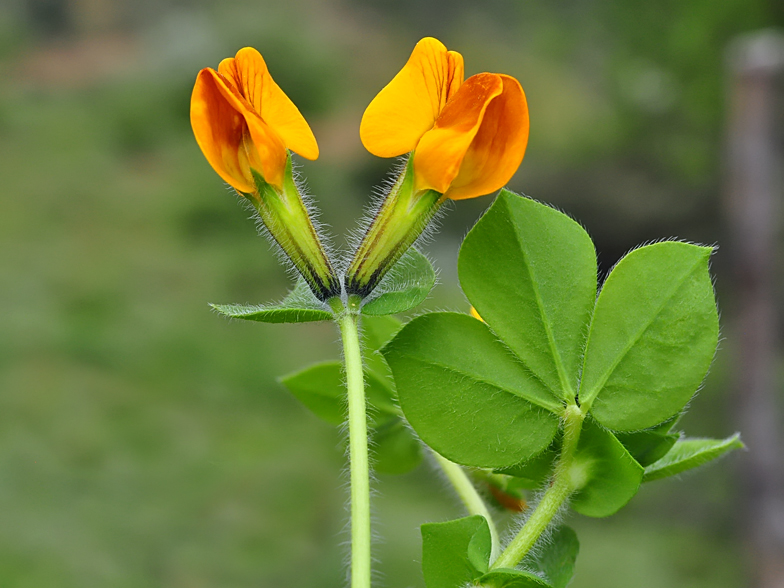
<point x="286" y="217"/>
<point x="399" y="222"/>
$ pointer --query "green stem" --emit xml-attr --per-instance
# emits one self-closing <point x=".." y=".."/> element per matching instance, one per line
<point x="471" y="499"/>
<point x="358" y="452"/>
<point x="565" y="481"/>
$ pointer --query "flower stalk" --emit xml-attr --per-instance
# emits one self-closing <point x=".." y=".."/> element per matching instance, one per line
<point x="358" y="451"/>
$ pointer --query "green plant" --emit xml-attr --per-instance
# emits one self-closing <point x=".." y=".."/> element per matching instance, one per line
<point x="555" y="389"/>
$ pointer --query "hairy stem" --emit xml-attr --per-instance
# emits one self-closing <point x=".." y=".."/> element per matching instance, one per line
<point x="565" y="481"/>
<point x="471" y="499"/>
<point x="358" y="453"/>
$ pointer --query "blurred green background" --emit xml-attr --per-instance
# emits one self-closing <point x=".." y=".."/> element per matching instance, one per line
<point x="144" y="441"/>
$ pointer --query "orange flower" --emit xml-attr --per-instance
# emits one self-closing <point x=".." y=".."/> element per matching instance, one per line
<point x="245" y="126"/>
<point x="468" y="138"/>
<point x="243" y="121"/>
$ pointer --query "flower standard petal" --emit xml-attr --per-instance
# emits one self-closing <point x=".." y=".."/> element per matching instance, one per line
<point x="441" y="151"/>
<point x="408" y="106"/>
<point x="252" y="78"/>
<point x="498" y="147"/>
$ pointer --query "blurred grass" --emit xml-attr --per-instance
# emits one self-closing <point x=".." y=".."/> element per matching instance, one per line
<point x="144" y="440"/>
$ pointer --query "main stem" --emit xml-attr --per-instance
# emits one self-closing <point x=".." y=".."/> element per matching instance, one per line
<point x="358" y="453"/>
<point x="470" y="497"/>
<point x="565" y="481"/>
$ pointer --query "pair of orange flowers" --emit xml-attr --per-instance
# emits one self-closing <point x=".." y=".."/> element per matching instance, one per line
<point x="466" y="138"/>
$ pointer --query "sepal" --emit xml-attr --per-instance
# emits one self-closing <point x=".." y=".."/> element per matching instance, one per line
<point x="287" y="219"/>
<point x="398" y="223"/>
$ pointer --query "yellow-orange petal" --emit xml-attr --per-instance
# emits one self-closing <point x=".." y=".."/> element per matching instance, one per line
<point x="249" y="74"/>
<point x="441" y="151"/>
<point x="408" y="106"/>
<point x="498" y="147"/>
<point x="232" y="136"/>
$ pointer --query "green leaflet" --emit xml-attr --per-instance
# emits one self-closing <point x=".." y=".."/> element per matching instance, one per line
<point x="466" y="396"/>
<point x="649" y="445"/>
<point x="456" y="552"/>
<point x="536" y="471"/>
<point x="405" y="286"/>
<point x="555" y="560"/>
<point x="394" y="448"/>
<point x="299" y="306"/>
<point x="530" y="271"/>
<point x="644" y="345"/>
<point x="321" y="388"/>
<point x="691" y="453"/>
<point x="653" y="336"/>
<point x="613" y="476"/>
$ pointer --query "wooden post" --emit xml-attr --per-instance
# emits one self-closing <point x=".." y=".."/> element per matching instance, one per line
<point x="753" y="207"/>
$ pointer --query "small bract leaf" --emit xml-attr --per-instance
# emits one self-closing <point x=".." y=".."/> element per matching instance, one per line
<point x="613" y="477"/>
<point x="555" y="559"/>
<point x="652" y="338"/>
<point x="405" y="286"/>
<point x="466" y="395"/>
<point x="395" y="449"/>
<point x="691" y="453"/>
<point x="530" y="272"/>
<point x="456" y="552"/>
<point x="299" y="306"/>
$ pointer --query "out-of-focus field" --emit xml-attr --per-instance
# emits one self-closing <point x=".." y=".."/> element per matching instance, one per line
<point x="144" y="441"/>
